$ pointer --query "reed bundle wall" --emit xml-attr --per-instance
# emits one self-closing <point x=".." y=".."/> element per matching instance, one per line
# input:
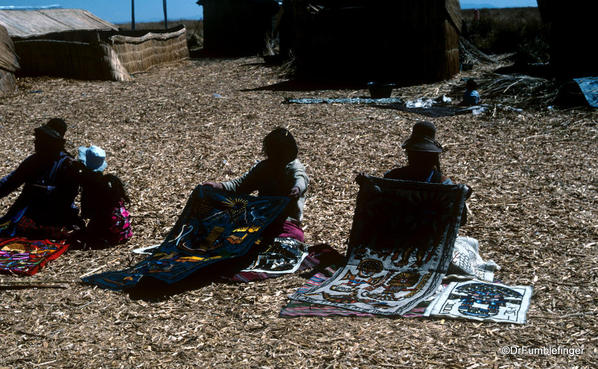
<point x="103" y="55"/>
<point x="8" y="63"/>
<point x="138" y="54"/>
<point x="70" y="59"/>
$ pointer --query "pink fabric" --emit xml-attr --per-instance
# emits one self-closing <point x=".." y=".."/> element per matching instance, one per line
<point x="292" y="230"/>
<point x="120" y="225"/>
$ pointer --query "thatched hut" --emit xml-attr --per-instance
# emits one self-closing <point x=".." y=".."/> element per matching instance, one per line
<point x="402" y="41"/>
<point x="73" y="43"/>
<point x="572" y="36"/>
<point x="8" y="63"/>
<point x="237" y="27"/>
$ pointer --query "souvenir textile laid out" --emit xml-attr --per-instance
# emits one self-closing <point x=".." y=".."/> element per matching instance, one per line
<point x="345" y="100"/>
<point x="285" y="256"/>
<point x="482" y="301"/>
<point x="23" y="256"/>
<point x="467" y="262"/>
<point x="215" y="226"/>
<point x="282" y="256"/>
<point x="298" y="308"/>
<point x="400" y="247"/>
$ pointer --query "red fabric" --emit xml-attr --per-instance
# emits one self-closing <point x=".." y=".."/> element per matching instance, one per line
<point x="292" y="230"/>
<point x="23" y="256"/>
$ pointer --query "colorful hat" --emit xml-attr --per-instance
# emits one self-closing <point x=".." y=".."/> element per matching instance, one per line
<point x="93" y="157"/>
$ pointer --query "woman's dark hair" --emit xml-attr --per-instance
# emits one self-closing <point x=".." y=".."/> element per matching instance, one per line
<point x="280" y="145"/>
<point x="471" y="84"/>
<point x="116" y="188"/>
<point x="45" y="144"/>
<point x="424" y="160"/>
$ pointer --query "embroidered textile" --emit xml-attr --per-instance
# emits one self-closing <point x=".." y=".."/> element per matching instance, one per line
<point x="400" y="247"/>
<point x="483" y="301"/>
<point x="214" y="226"/>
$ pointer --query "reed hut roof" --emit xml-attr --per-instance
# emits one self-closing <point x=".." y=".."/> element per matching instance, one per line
<point x="32" y="23"/>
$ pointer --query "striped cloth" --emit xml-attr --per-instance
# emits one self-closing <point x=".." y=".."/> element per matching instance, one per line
<point x="23" y="256"/>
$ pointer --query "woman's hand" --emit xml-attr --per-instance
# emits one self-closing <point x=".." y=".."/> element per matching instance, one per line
<point x="295" y="192"/>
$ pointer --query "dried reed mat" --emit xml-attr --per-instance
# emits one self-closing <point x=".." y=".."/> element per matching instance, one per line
<point x="138" y="54"/>
<point x="533" y="173"/>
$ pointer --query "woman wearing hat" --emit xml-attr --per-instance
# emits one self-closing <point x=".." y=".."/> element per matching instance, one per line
<point x="423" y="156"/>
<point x="423" y="159"/>
<point x="45" y="207"/>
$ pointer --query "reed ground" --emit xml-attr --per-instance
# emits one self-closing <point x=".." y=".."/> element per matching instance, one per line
<point x="533" y="172"/>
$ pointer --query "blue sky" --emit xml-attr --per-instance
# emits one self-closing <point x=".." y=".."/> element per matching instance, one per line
<point x="119" y="11"/>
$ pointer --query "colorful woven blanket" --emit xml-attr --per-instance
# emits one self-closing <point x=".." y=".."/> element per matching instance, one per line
<point x="23" y="256"/>
<point x="215" y="226"/>
<point x="400" y="247"/>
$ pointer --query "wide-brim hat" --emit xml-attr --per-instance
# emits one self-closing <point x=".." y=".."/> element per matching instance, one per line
<point x="422" y="138"/>
<point x="93" y="157"/>
<point x="53" y="129"/>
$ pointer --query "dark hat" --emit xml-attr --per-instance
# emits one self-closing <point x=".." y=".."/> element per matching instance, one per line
<point x="55" y="129"/>
<point x="422" y="138"/>
<point x="58" y="125"/>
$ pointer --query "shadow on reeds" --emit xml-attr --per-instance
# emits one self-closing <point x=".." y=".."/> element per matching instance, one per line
<point x="153" y="290"/>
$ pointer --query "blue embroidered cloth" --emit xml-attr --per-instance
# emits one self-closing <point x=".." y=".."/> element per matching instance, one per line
<point x="214" y="226"/>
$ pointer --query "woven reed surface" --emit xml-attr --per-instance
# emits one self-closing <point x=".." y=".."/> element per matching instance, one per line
<point x="70" y="59"/>
<point x="28" y="23"/>
<point x="534" y="176"/>
<point x="138" y="54"/>
<point x="8" y="58"/>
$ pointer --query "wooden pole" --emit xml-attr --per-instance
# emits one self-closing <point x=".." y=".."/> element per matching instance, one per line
<point x="133" y="15"/>
<point x="165" y="14"/>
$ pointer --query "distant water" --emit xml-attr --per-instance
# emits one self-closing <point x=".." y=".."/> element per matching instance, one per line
<point x="25" y="7"/>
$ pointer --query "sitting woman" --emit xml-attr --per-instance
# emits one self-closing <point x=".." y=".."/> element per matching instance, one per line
<point x="471" y="96"/>
<point x="45" y="208"/>
<point x="280" y="174"/>
<point x="423" y="159"/>
<point x="423" y="156"/>
<point x="103" y="201"/>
